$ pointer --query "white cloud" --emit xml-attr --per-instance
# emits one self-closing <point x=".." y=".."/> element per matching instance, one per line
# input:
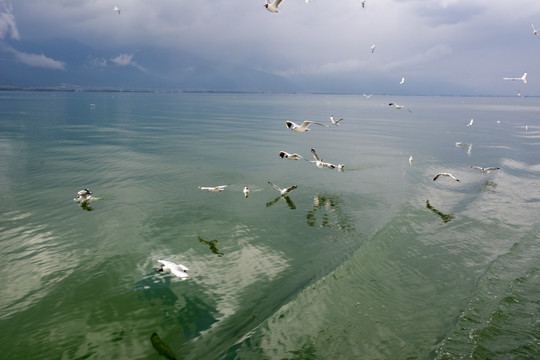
<point x="126" y="60"/>
<point x="36" y="60"/>
<point x="7" y="22"/>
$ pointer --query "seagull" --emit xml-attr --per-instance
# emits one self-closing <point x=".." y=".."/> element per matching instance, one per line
<point x="535" y="31"/>
<point x="410" y="160"/>
<point x="301" y="128"/>
<point x="367" y="96"/>
<point x="246" y="191"/>
<point x="83" y="196"/>
<point x="399" y="107"/>
<point x="470" y="122"/>
<point x="284" y="191"/>
<point x="340" y="167"/>
<point x="484" y="170"/>
<point x="335" y="122"/>
<point x="319" y="162"/>
<point x="523" y="78"/>
<point x="445" y="174"/>
<point x="213" y="188"/>
<point x="117" y="9"/>
<point x="272" y="7"/>
<point x="176" y="269"/>
<point x="402" y="81"/>
<point x="363" y="3"/>
<point x="286" y="155"/>
<point x="373" y="48"/>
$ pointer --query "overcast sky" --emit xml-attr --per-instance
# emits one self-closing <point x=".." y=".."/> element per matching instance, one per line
<point x="469" y="44"/>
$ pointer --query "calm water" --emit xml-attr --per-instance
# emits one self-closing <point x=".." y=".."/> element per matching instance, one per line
<point x="375" y="262"/>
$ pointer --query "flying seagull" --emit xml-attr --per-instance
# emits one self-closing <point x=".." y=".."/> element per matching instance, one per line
<point x="535" y="31"/>
<point x="213" y="188"/>
<point x="117" y="9"/>
<point x="399" y="107"/>
<point x="470" y="122"/>
<point x="373" y="48"/>
<point x="286" y="155"/>
<point x="83" y="196"/>
<point x="484" y="170"/>
<point x="445" y="174"/>
<point x="319" y="162"/>
<point x="272" y="7"/>
<point x="367" y="96"/>
<point x="301" y="128"/>
<point x="335" y="122"/>
<point x="284" y="191"/>
<point x="176" y="269"/>
<point x="402" y="81"/>
<point x="523" y="78"/>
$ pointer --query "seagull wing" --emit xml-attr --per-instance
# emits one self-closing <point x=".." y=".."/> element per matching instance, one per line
<point x="277" y="2"/>
<point x="477" y="167"/>
<point x="315" y="154"/>
<point x="307" y="123"/>
<point x="437" y="176"/>
<point x="491" y="168"/>
<point x="275" y="186"/>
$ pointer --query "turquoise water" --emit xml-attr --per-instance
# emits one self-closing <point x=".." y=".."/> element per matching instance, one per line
<point x="375" y="262"/>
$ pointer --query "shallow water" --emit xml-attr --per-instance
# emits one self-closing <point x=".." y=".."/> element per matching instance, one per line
<point x="375" y="262"/>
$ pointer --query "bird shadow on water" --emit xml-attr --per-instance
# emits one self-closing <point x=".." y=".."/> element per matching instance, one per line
<point x="212" y="245"/>
<point x="287" y="199"/>
<point x="445" y="217"/>
<point x="328" y="209"/>
<point x="489" y="186"/>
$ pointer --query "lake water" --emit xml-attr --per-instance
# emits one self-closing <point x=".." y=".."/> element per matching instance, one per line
<point x="376" y="262"/>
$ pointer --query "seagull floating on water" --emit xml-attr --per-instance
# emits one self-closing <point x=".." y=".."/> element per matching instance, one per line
<point x="286" y="155"/>
<point x="373" y="48"/>
<point x="484" y="170"/>
<point x="284" y="191"/>
<point x="399" y="107"/>
<point x="213" y="188"/>
<point x="272" y="7"/>
<point x="445" y="174"/>
<point x="117" y="9"/>
<point x="335" y="122"/>
<point x="302" y="128"/>
<point x="470" y="122"/>
<point x="83" y="196"/>
<point x="523" y="78"/>
<point x="535" y="31"/>
<point x="410" y="160"/>
<point x="319" y="162"/>
<point x="246" y="191"/>
<point x="176" y="269"/>
<point x="402" y="81"/>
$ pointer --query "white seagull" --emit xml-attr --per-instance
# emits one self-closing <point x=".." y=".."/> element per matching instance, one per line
<point x="535" y="31"/>
<point x="445" y="174"/>
<point x="246" y="191"/>
<point x="286" y="155"/>
<point x="470" y="122"/>
<point x="213" y="188"/>
<point x="367" y="96"/>
<point x="83" y="196"/>
<point x="402" y="81"/>
<point x="399" y="107"/>
<point x="410" y="160"/>
<point x="284" y="191"/>
<point x="373" y="48"/>
<point x="484" y="170"/>
<point x="302" y="128"/>
<point x="363" y="3"/>
<point x="340" y="167"/>
<point x="319" y="162"/>
<point x="523" y="78"/>
<point x="272" y="7"/>
<point x="335" y="122"/>
<point x="117" y="9"/>
<point x="176" y="269"/>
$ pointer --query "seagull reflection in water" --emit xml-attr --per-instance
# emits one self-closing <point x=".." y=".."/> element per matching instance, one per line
<point x="330" y="213"/>
<point x="445" y="217"/>
<point x="212" y="245"/>
<point x="287" y="199"/>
